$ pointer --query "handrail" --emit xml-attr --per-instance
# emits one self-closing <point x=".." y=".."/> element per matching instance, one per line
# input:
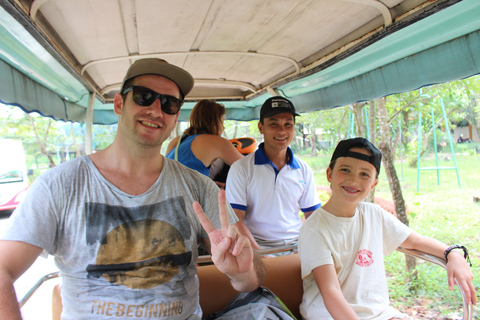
<point x="37" y="285"/>
<point x="467" y="307"/>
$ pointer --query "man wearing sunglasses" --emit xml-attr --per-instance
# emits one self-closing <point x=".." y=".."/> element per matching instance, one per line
<point x="124" y="223"/>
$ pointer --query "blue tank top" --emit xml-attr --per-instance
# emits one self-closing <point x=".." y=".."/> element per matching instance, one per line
<point x="186" y="156"/>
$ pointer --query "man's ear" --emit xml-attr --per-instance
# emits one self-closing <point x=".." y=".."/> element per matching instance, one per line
<point x="118" y="104"/>
<point x="260" y="127"/>
<point x="176" y="120"/>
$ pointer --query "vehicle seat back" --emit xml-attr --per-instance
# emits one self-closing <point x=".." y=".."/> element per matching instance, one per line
<point x="283" y="278"/>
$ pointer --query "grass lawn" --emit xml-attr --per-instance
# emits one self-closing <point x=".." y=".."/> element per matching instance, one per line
<point x="445" y="212"/>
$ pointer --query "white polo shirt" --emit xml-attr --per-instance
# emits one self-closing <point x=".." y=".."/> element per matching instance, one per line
<point x="271" y="198"/>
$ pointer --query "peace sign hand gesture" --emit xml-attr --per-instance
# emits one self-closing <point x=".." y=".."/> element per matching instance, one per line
<point x="231" y="251"/>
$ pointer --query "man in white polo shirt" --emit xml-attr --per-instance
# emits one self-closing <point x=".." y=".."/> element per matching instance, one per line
<point x="268" y="187"/>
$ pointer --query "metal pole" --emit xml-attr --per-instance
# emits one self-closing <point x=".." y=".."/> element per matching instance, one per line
<point x="89" y="124"/>
<point x="450" y="141"/>
<point x="419" y="148"/>
<point x="367" y="122"/>
<point x="435" y="146"/>
<point x="401" y="145"/>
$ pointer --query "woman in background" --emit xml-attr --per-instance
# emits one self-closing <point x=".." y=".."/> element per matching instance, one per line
<point x="201" y="143"/>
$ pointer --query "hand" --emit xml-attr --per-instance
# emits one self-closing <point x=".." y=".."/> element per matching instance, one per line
<point x="231" y="251"/>
<point x="457" y="268"/>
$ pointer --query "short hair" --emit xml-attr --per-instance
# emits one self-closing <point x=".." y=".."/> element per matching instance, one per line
<point x="205" y="117"/>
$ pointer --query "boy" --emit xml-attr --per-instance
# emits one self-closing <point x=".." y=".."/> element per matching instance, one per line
<point x="342" y="244"/>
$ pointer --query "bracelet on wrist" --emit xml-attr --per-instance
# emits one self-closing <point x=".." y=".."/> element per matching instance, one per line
<point x="465" y="253"/>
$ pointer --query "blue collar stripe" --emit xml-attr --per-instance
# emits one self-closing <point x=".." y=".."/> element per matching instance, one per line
<point x="261" y="157"/>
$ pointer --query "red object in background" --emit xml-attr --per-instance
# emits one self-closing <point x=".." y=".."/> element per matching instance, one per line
<point x="13" y="203"/>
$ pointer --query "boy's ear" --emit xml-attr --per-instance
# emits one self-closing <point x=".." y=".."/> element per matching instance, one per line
<point x="329" y="174"/>
<point x="374" y="184"/>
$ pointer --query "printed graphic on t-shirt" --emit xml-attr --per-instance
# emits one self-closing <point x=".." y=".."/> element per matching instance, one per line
<point x="364" y="258"/>
<point x="136" y="249"/>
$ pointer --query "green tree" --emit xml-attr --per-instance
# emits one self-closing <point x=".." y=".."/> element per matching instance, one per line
<point x="103" y="135"/>
<point x="388" y="163"/>
<point x="37" y="133"/>
<point x="333" y="123"/>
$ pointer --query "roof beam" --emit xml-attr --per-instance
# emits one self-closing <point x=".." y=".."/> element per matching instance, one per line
<point x="384" y="10"/>
<point x="295" y="64"/>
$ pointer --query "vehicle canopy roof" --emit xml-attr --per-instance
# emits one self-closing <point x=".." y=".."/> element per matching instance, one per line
<point x="58" y="57"/>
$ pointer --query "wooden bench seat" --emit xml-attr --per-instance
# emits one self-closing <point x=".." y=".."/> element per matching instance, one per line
<point x="283" y="278"/>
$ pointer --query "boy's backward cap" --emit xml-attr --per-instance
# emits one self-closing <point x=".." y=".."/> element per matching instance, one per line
<point x="344" y="146"/>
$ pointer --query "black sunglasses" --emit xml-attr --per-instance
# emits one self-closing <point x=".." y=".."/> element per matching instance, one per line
<point x="145" y="97"/>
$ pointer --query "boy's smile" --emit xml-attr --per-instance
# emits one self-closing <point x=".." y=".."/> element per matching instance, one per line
<point x="351" y="179"/>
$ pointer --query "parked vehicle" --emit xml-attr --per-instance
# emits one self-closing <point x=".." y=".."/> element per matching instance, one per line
<point x="13" y="174"/>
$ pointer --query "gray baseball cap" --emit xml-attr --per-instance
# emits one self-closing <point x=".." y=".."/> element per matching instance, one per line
<point x="160" y="67"/>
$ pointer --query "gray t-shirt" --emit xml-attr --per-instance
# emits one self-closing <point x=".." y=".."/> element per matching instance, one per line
<point x="119" y="255"/>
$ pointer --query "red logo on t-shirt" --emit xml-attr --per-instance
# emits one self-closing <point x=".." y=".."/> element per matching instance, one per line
<point x="364" y="258"/>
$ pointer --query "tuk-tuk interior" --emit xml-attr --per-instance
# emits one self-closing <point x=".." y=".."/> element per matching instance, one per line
<point x="66" y="60"/>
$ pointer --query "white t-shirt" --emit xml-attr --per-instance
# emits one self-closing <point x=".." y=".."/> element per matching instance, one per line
<point x="119" y="255"/>
<point x="356" y="247"/>
<point x="270" y="198"/>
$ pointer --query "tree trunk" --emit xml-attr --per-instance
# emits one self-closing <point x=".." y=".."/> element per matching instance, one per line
<point x="371" y="121"/>
<point x="313" y="141"/>
<point x="77" y="151"/>
<point x="360" y="119"/>
<point x="405" y="124"/>
<point x="372" y="138"/>
<point x="393" y="182"/>
<point x="340" y="125"/>
<point x="41" y="144"/>
<point x="474" y="115"/>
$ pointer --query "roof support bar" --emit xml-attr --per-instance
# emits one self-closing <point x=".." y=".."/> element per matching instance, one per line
<point x="295" y="64"/>
<point x="384" y="10"/>
<point x="89" y="122"/>
<point x="36" y="4"/>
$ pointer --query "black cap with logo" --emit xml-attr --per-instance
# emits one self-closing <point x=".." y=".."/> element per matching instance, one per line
<point x="276" y="105"/>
